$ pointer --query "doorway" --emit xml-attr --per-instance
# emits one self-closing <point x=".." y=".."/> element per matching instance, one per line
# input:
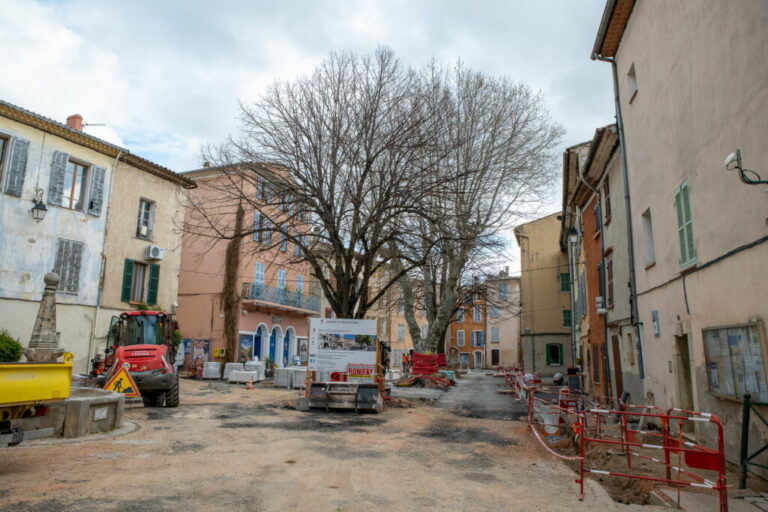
<point x="684" y="384"/>
<point x="617" y="376"/>
<point x="494" y="357"/>
<point x="478" y="360"/>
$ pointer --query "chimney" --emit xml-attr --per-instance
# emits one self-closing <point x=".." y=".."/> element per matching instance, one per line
<point x="206" y="164"/>
<point x="506" y="271"/>
<point x="75" y="121"/>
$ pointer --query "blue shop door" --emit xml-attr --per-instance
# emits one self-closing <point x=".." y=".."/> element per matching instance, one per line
<point x="285" y="350"/>
<point x="272" y="345"/>
<point x="257" y="346"/>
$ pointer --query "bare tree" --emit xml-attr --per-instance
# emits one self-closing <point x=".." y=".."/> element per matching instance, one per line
<point x="500" y="163"/>
<point x="338" y="164"/>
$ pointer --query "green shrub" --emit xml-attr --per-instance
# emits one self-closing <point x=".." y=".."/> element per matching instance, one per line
<point x="10" y="348"/>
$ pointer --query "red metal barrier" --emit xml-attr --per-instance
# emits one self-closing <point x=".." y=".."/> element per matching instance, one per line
<point x="688" y="454"/>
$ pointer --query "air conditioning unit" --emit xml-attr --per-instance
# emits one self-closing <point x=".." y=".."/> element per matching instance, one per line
<point x="154" y="252"/>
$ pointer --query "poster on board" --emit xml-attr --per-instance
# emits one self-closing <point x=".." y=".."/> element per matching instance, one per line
<point x="343" y="345"/>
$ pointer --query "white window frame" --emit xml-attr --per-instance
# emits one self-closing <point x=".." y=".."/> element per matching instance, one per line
<point x="281" y="275"/>
<point x="149" y="222"/>
<point x="400" y="332"/>
<point x="258" y="276"/>
<point x="477" y="314"/>
<point x="495" y="337"/>
<point x="460" y="341"/>
<point x="300" y="283"/>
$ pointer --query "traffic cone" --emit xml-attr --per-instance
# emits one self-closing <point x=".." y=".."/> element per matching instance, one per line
<point x="250" y="384"/>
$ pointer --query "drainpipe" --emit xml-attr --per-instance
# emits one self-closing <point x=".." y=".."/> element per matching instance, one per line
<point x="92" y="342"/>
<point x="635" y="317"/>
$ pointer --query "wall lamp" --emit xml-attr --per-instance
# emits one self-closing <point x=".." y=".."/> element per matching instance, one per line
<point x="573" y="236"/>
<point x="39" y="210"/>
<point x="733" y="163"/>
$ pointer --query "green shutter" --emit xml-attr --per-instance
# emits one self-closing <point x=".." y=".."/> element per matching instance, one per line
<point x="127" y="281"/>
<point x="565" y="283"/>
<point x="685" y="225"/>
<point x="154" y="282"/>
<point x="566" y="318"/>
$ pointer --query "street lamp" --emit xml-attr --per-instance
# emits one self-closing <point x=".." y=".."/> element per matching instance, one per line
<point x="39" y="210"/>
<point x="573" y="236"/>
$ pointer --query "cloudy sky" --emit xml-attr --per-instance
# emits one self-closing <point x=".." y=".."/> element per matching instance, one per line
<point x="166" y="76"/>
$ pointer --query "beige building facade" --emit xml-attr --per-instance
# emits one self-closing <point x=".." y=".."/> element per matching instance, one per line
<point x="503" y="321"/>
<point x="691" y="83"/>
<point x="545" y="318"/>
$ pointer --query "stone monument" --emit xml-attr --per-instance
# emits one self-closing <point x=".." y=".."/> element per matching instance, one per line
<point x="44" y="343"/>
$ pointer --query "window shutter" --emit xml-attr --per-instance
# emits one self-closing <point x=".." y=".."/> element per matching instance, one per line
<point x="17" y="167"/>
<point x="257" y="226"/>
<point x="154" y="284"/>
<point x="549" y="354"/>
<point x="56" y="185"/>
<point x="127" y="281"/>
<point x="69" y="257"/>
<point x="97" y="190"/>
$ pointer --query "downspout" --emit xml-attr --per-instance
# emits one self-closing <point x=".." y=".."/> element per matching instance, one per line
<point x="533" y="316"/>
<point x="635" y="317"/>
<point x="92" y="342"/>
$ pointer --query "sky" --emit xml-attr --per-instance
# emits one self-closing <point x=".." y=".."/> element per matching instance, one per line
<point x="166" y="77"/>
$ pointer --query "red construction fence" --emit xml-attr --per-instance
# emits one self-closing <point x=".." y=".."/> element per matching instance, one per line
<point x="642" y="433"/>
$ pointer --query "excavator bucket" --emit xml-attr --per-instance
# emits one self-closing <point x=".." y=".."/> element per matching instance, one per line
<point x="345" y="395"/>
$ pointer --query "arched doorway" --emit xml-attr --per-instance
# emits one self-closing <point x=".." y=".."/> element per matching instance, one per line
<point x="289" y="346"/>
<point x="276" y="347"/>
<point x="261" y="342"/>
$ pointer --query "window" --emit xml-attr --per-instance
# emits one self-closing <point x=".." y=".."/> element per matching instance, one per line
<point x="735" y="363"/>
<point x="300" y="283"/>
<point x="281" y="279"/>
<point x="478" y="338"/>
<point x="565" y="282"/>
<point x="554" y="354"/>
<point x="283" y="241"/>
<point x="596" y="361"/>
<point x="69" y="258"/>
<point x="400" y="306"/>
<point x="503" y="296"/>
<point x="146" y="219"/>
<point x="140" y="282"/>
<point x="495" y="311"/>
<point x="478" y="314"/>
<point x="609" y="281"/>
<point x="424" y="331"/>
<point x="566" y="318"/>
<point x="607" y="200"/>
<point x="259" y="274"/>
<point x="494" y="334"/>
<point x="460" y="315"/>
<point x="297" y="248"/>
<point x="460" y="338"/>
<point x="74" y="186"/>
<point x="400" y="332"/>
<point x="650" y="250"/>
<point x="631" y="83"/>
<point x="685" y="225"/>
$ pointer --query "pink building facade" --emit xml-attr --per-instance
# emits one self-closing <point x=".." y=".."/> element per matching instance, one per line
<point x="276" y="299"/>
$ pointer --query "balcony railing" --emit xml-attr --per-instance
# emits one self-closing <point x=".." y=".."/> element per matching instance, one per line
<point x="256" y="291"/>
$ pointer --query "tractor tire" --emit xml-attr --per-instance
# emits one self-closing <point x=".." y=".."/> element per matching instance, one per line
<point x="153" y="399"/>
<point x="172" y="395"/>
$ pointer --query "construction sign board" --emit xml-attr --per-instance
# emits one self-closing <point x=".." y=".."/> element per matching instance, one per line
<point x="343" y="345"/>
<point x="121" y="382"/>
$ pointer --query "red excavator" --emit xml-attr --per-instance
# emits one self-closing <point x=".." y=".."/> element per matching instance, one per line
<point x="142" y="341"/>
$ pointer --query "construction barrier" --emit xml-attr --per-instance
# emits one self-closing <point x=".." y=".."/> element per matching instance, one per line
<point x="639" y="430"/>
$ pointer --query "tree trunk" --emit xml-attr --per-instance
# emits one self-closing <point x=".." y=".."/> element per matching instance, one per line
<point x="230" y="295"/>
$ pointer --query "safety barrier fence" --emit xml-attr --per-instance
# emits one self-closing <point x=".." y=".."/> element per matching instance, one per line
<point x="638" y="430"/>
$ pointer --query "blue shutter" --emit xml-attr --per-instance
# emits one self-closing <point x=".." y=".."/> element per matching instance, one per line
<point x="97" y="191"/>
<point x="17" y="167"/>
<point x="56" y="184"/>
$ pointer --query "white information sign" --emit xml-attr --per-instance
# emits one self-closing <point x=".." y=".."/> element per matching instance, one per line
<point x="343" y="345"/>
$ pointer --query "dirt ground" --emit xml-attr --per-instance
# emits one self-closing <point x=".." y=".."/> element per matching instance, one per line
<point x="228" y="448"/>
